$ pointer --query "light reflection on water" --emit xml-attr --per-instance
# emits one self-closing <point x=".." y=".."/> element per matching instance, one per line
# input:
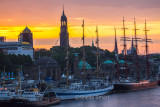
<point x="143" y="98"/>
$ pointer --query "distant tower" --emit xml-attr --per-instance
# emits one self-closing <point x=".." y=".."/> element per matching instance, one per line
<point x="26" y="36"/>
<point x="115" y="47"/>
<point x="64" y="35"/>
<point x="92" y="42"/>
<point x="133" y="49"/>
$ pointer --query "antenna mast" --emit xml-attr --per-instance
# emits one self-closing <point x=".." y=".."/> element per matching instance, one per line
<point x="83" y="38"/>
<point x="97" y="54"/>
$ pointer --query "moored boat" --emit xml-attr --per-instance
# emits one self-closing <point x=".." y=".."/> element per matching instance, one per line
<point x="65" y="94"/>
<point x="21" y="102"/>
<point x="5" y="94"/>
<point x="26" y="98"/>
<point x="159" y="82"/>
<point x="135" y="85"/>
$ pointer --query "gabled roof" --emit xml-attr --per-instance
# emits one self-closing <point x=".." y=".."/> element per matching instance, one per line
<point x="46" y="61"/>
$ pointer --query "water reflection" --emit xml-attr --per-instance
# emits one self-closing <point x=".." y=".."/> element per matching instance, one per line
<point x="143" y="98"/>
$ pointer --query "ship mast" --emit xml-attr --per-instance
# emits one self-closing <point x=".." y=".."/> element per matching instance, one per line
<point x="19" y="81"/>
<point x="4" y="77"/>
<point x="83" y="39"/>
<point x="67" y="60"/>
<point x="97" y="54"/>
<point x="124" y="39"/>
<point x="147" y="40"/>
<point x="116" y="52"/>
<point x="136" y="45"/>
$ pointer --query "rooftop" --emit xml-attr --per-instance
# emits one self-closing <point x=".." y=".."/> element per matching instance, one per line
<point x="87" y="66"/>
<point x="46" y="62"/>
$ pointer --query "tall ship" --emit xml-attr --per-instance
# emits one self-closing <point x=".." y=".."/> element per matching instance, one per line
<point x="138" y="82"/>
<point x="94" y="87"/>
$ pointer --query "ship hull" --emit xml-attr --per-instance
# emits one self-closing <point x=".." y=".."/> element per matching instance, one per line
<point x="5" y="103"/>
<point x="78" y="94"/>
<point x="27" y="103"/>
<point x="134" y="86"/>
<point x="159" y="82"/>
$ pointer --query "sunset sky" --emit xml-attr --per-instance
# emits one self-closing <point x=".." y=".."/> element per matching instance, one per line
<point x="43" y="18"/>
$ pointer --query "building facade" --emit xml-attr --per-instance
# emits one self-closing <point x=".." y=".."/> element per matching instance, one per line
<point x="24" y="46"/>
<point x="26" y="36"/>
<point x="43" y="68"/>
<point x="2" y="39"/>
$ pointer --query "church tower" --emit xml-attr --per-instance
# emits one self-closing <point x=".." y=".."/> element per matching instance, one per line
<point x="64" y="35"/>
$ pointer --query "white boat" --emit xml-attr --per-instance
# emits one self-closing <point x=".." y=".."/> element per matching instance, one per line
<point x="68" y="94"/>
<point x="32" y="98"/>
<point x="6" y="95"/>
<point x="32" y="95"/>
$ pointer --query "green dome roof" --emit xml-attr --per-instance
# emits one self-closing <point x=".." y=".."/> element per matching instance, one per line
<point x="108" y="62"/>
<point x="87" y="66"/>
<point x="121" y="61"/>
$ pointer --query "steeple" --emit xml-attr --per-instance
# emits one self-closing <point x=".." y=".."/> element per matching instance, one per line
<point x="63" y="10"/>
<point x="63" y="17"/>
<point x="115" y="47"/>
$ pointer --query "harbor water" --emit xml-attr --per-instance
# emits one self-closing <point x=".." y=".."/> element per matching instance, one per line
<point x="141" y="98"/>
